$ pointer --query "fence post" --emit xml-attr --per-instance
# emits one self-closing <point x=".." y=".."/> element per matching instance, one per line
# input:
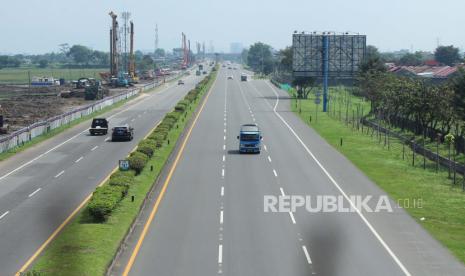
<point x="438" y="138"/>
<point x="413" y="152"/>
<point x="424" y="153"/>
<point x="449" y="138"/>
<point x="403" y="150"/>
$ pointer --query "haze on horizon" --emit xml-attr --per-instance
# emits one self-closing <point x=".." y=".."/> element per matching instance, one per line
<point x="389" y="25"/>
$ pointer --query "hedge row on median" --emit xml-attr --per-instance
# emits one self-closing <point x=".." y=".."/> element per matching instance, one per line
<point x="106" y="198"/>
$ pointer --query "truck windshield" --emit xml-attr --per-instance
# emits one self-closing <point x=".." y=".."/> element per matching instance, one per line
<point x="99" y="122"/>
<point x="250" y="137"/>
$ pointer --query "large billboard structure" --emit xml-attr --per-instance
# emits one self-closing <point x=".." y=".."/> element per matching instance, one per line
<point x="327" y="55"/>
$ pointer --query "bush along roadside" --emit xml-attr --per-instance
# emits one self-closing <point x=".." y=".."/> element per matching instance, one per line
<point x="89" y="243"/>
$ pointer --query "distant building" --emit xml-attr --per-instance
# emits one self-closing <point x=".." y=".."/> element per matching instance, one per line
<point x="236" y="48"/>
<point x="435" y="73"/>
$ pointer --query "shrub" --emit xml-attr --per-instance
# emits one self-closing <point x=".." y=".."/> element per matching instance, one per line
<point x="123" y="180"/>
<point x="180" y="108"/>
<point x="147" y="142"/>
<point x="146" y="149"/>
<point x="173" y="115"/>
<point x="137" y="161"/>
<point x="158" y="138"/>
<point x="166" y="124"/>
<point x="129" y="173"/>
<point x="104" y="200"/>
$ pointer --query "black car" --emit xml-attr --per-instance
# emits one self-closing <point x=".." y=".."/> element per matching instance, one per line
<point x="99" y="126"/>
<point x="122" y="133"/>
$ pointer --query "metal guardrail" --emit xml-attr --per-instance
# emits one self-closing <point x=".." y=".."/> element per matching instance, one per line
<point x="26" y="134"/>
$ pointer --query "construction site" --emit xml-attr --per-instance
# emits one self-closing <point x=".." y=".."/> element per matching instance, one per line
<point x="45" y="96"/>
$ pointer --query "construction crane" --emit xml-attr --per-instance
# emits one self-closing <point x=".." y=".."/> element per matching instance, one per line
<point x="132" y="63"/>
<point x="116" y="75"/>
<point x="113" y="45"/>
<point x="185" y="58"/>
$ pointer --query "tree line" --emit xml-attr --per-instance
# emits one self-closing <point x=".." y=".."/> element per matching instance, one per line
<point x="415" y="104"/>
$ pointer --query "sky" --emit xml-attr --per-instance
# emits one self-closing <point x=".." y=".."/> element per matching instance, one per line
<point x="39" y="26"/>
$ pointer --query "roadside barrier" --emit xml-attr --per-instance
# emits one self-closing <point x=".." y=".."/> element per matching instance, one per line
<point x="26" y="134"/>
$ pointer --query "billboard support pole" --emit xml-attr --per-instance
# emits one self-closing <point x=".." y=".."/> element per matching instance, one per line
<point x="325" y="71"/>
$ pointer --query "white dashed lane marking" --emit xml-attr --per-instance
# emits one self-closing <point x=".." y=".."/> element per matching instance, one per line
<point x="4" y="214"/>
<point x="60" y="173"/>
<point x="33" y="193"/>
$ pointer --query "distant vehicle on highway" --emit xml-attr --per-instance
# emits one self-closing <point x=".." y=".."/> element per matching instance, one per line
<point x="250" y="138"/>
<point x="243" y="77"/>
<point x="229" y="67"/>
<point x="204" y="72"/>
<point x="180" y="82"/>
<point x="99" y="126"/>
<point x="230" y="77"/>
<point x="197" y="73"/>
<point x="122" y="133"/>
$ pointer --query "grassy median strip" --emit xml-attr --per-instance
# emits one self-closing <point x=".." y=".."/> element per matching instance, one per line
<point x="442" y="205"/>
<point x="88" y="244"/>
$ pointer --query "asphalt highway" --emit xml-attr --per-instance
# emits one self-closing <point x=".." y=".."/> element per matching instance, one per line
<point x="41" y="186"/>
<point x="211" y="218"/>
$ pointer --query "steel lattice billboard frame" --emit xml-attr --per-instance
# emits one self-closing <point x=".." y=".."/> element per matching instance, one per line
<point x="345" y="53"/>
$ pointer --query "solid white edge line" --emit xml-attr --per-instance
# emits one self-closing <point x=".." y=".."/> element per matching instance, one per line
<point x="292" y="217"/>
<point x="304" y="248"/>
<point x="79" y="159"/>
<point x="35" y="192"/>
<point x="220" y="254"/>
<point x="4" y="214"/>
<point x="372" y="229"/>
<point x="60" y="173"/>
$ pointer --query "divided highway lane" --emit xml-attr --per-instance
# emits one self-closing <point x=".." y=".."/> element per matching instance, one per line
<point x="341" y="243"/>
<point x="211" y="220"/>
<point x="41" y="186"/>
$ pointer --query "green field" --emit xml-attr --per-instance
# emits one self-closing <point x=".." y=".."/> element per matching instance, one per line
<point x="391" y="168"/>
<point x="21" y="75"/>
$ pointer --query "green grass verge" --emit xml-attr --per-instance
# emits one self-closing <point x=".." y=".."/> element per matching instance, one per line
<point x="442" y="203"/>
<point x="21" y="75"/>
<point x="86" y="248"/>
